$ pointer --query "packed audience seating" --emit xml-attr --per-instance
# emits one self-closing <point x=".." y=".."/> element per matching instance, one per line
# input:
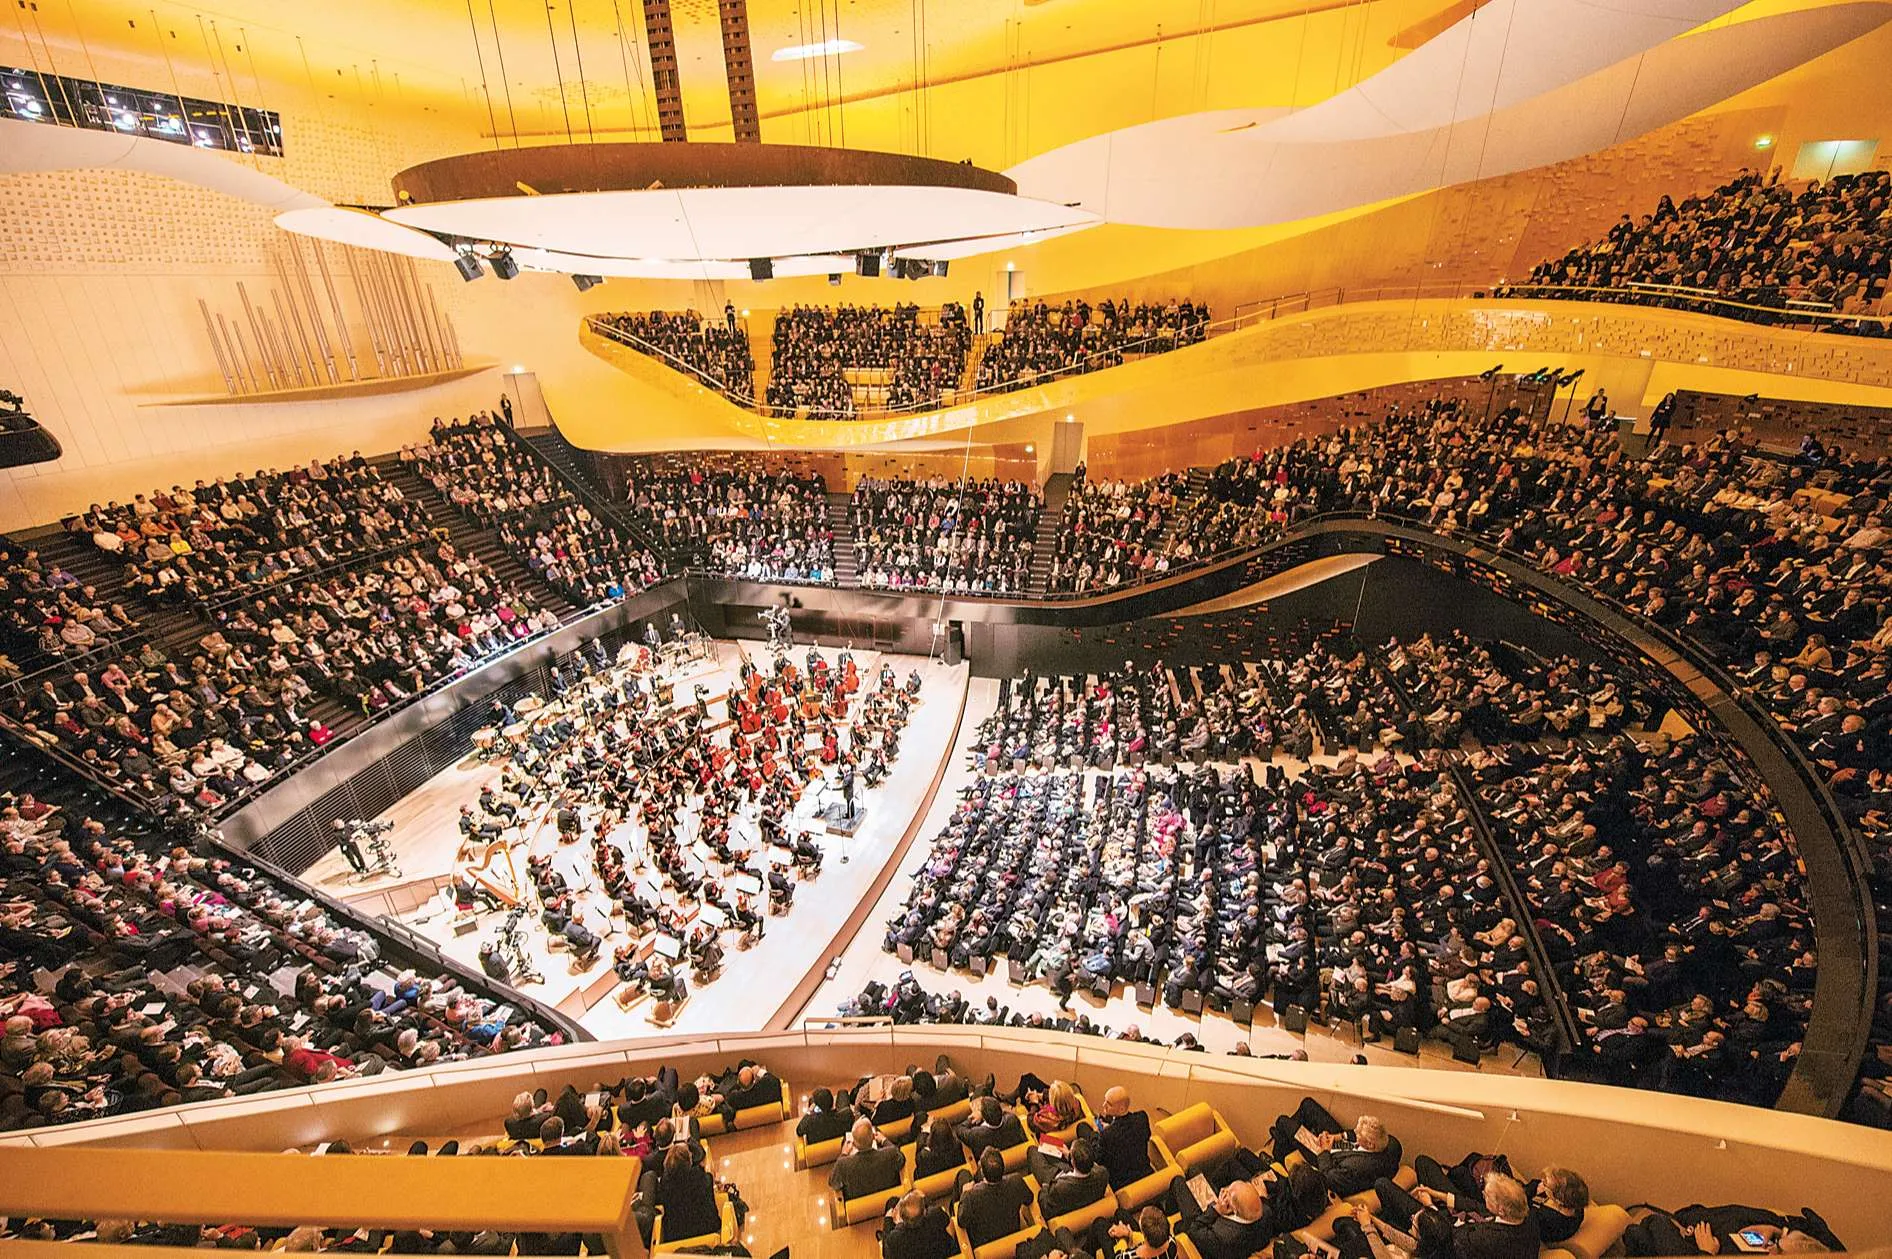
<point x="574" y="551"/>
<point x="1214" y="887"/>
<point x="1041" y="342"/>
<point x="717" y="354"/>
<point x="1113" y="532"/>
<point x="1757" y="240"/>
<point x="834" y="361"/>
<point x="972" y="537"/>
<point x="484" y="473"/>
<point x="765" y="526"/>
<point x="199" y="544"/>
<point x="144" y="969"/>
<point x="1670" y="903"/>
<point x="202" y="733"/>
<point x="49" y="614"/>
<point x="480" y="468"/>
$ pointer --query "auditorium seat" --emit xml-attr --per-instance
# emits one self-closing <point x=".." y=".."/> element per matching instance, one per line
<point x="820" y="1154"/>
<point x="751" y="1117"/>
<point x="1007" y="1246"/>
<point x="846" y="1212"/>
<point x="1322" y="1229"/>
<point x="724" y="1236"/>
<point x="1080" y="1220"/>
<point x="1195" y="1137"/>
<point x="1140" y="1193"/>
<point x="939" y="1184"/>
<point x="1602" y="1227"/>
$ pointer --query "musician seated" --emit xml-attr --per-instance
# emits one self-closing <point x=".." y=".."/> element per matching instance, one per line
<point x="477" y="826"/>
<point x="625" y="964"/>
<point x="665" y="982"/>
<point x="708" y="955"/>
<point x="583" y="942"/>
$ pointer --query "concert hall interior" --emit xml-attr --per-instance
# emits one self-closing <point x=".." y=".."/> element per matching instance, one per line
<point x="1014" y="629"/>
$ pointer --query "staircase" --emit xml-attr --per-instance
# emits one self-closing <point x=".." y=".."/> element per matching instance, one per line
<point x="841" y="523"/>
<point x="1050" y="524"/>
<point x="577" y="465"/>
<point x="975" y="354"/>
<point x="472" y="539"/>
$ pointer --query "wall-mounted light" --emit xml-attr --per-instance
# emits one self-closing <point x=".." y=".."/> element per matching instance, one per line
<point x="1764" y="142"/>
<point x="1011" y="266"/>
<point x="1070" y="419"/>
<point x="518" y="369"/>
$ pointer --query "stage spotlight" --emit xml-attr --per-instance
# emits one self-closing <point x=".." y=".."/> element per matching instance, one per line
<point x="585" y="282"/>
<point x="761" y="268"/>
<point x="1491" y="373"/>
<point x="469" y="267"/>
<point x="1564" y="382"/>
<point x="503" y="265"/>
<point x="867" y="264"/>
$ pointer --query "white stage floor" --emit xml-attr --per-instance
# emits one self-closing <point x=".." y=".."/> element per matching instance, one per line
<point x="753" y="982"/>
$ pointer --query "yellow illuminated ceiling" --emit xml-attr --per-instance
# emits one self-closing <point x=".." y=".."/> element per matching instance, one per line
<point x="422" y="56"/>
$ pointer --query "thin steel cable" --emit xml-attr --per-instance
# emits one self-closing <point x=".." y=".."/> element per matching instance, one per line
<point x="479" y="55"/>
<point x="578" y="51"/>
<point x="558" y="72"/>
<point x="512" y="119"/>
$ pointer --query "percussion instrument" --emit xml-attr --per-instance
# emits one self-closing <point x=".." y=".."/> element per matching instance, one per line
<point x="530" y="704"/>
<point x="516" y="730"/>
<point x="484" y="738"/>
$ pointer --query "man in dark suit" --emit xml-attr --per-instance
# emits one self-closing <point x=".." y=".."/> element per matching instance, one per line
<point x="1076" y="1184"/>
<point x="1123" y="1139"/>
<point x="1350" y="1162"/>
<point x="753" y="1086"/>
<point x="991" y="1126"/>
<point x="989" y="1207"/>
<point x="1233" y="1226"/>
<point x="917" y="1230"/>
<point x="872" y="1164"/>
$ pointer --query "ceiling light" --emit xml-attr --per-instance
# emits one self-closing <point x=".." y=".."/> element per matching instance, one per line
<point x="802" y="52"/>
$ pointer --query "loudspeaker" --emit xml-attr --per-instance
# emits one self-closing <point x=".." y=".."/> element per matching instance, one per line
<point x="583" y="282"/>
<point x="504" y="267"/>
<point x="1192" y="1002"/>
<point x="1295" y="1020"/>
<point x="1406" y="1040"/>
<point x="941" y="961"/>
<point x="977" y="964"/>
<point x="867" y="264"/>
<point x="1242" y="1011"/>
<point x="469" y="266"/>
<point x="1465" y="1050"/>
<point x="761" y="268"/>
<point x="904" y="952"/>
<point x="939" y="269"/>
<point x="1015" y="971"/>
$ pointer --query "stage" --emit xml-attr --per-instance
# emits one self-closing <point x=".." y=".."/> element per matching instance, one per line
<point x="753" y="982"/>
